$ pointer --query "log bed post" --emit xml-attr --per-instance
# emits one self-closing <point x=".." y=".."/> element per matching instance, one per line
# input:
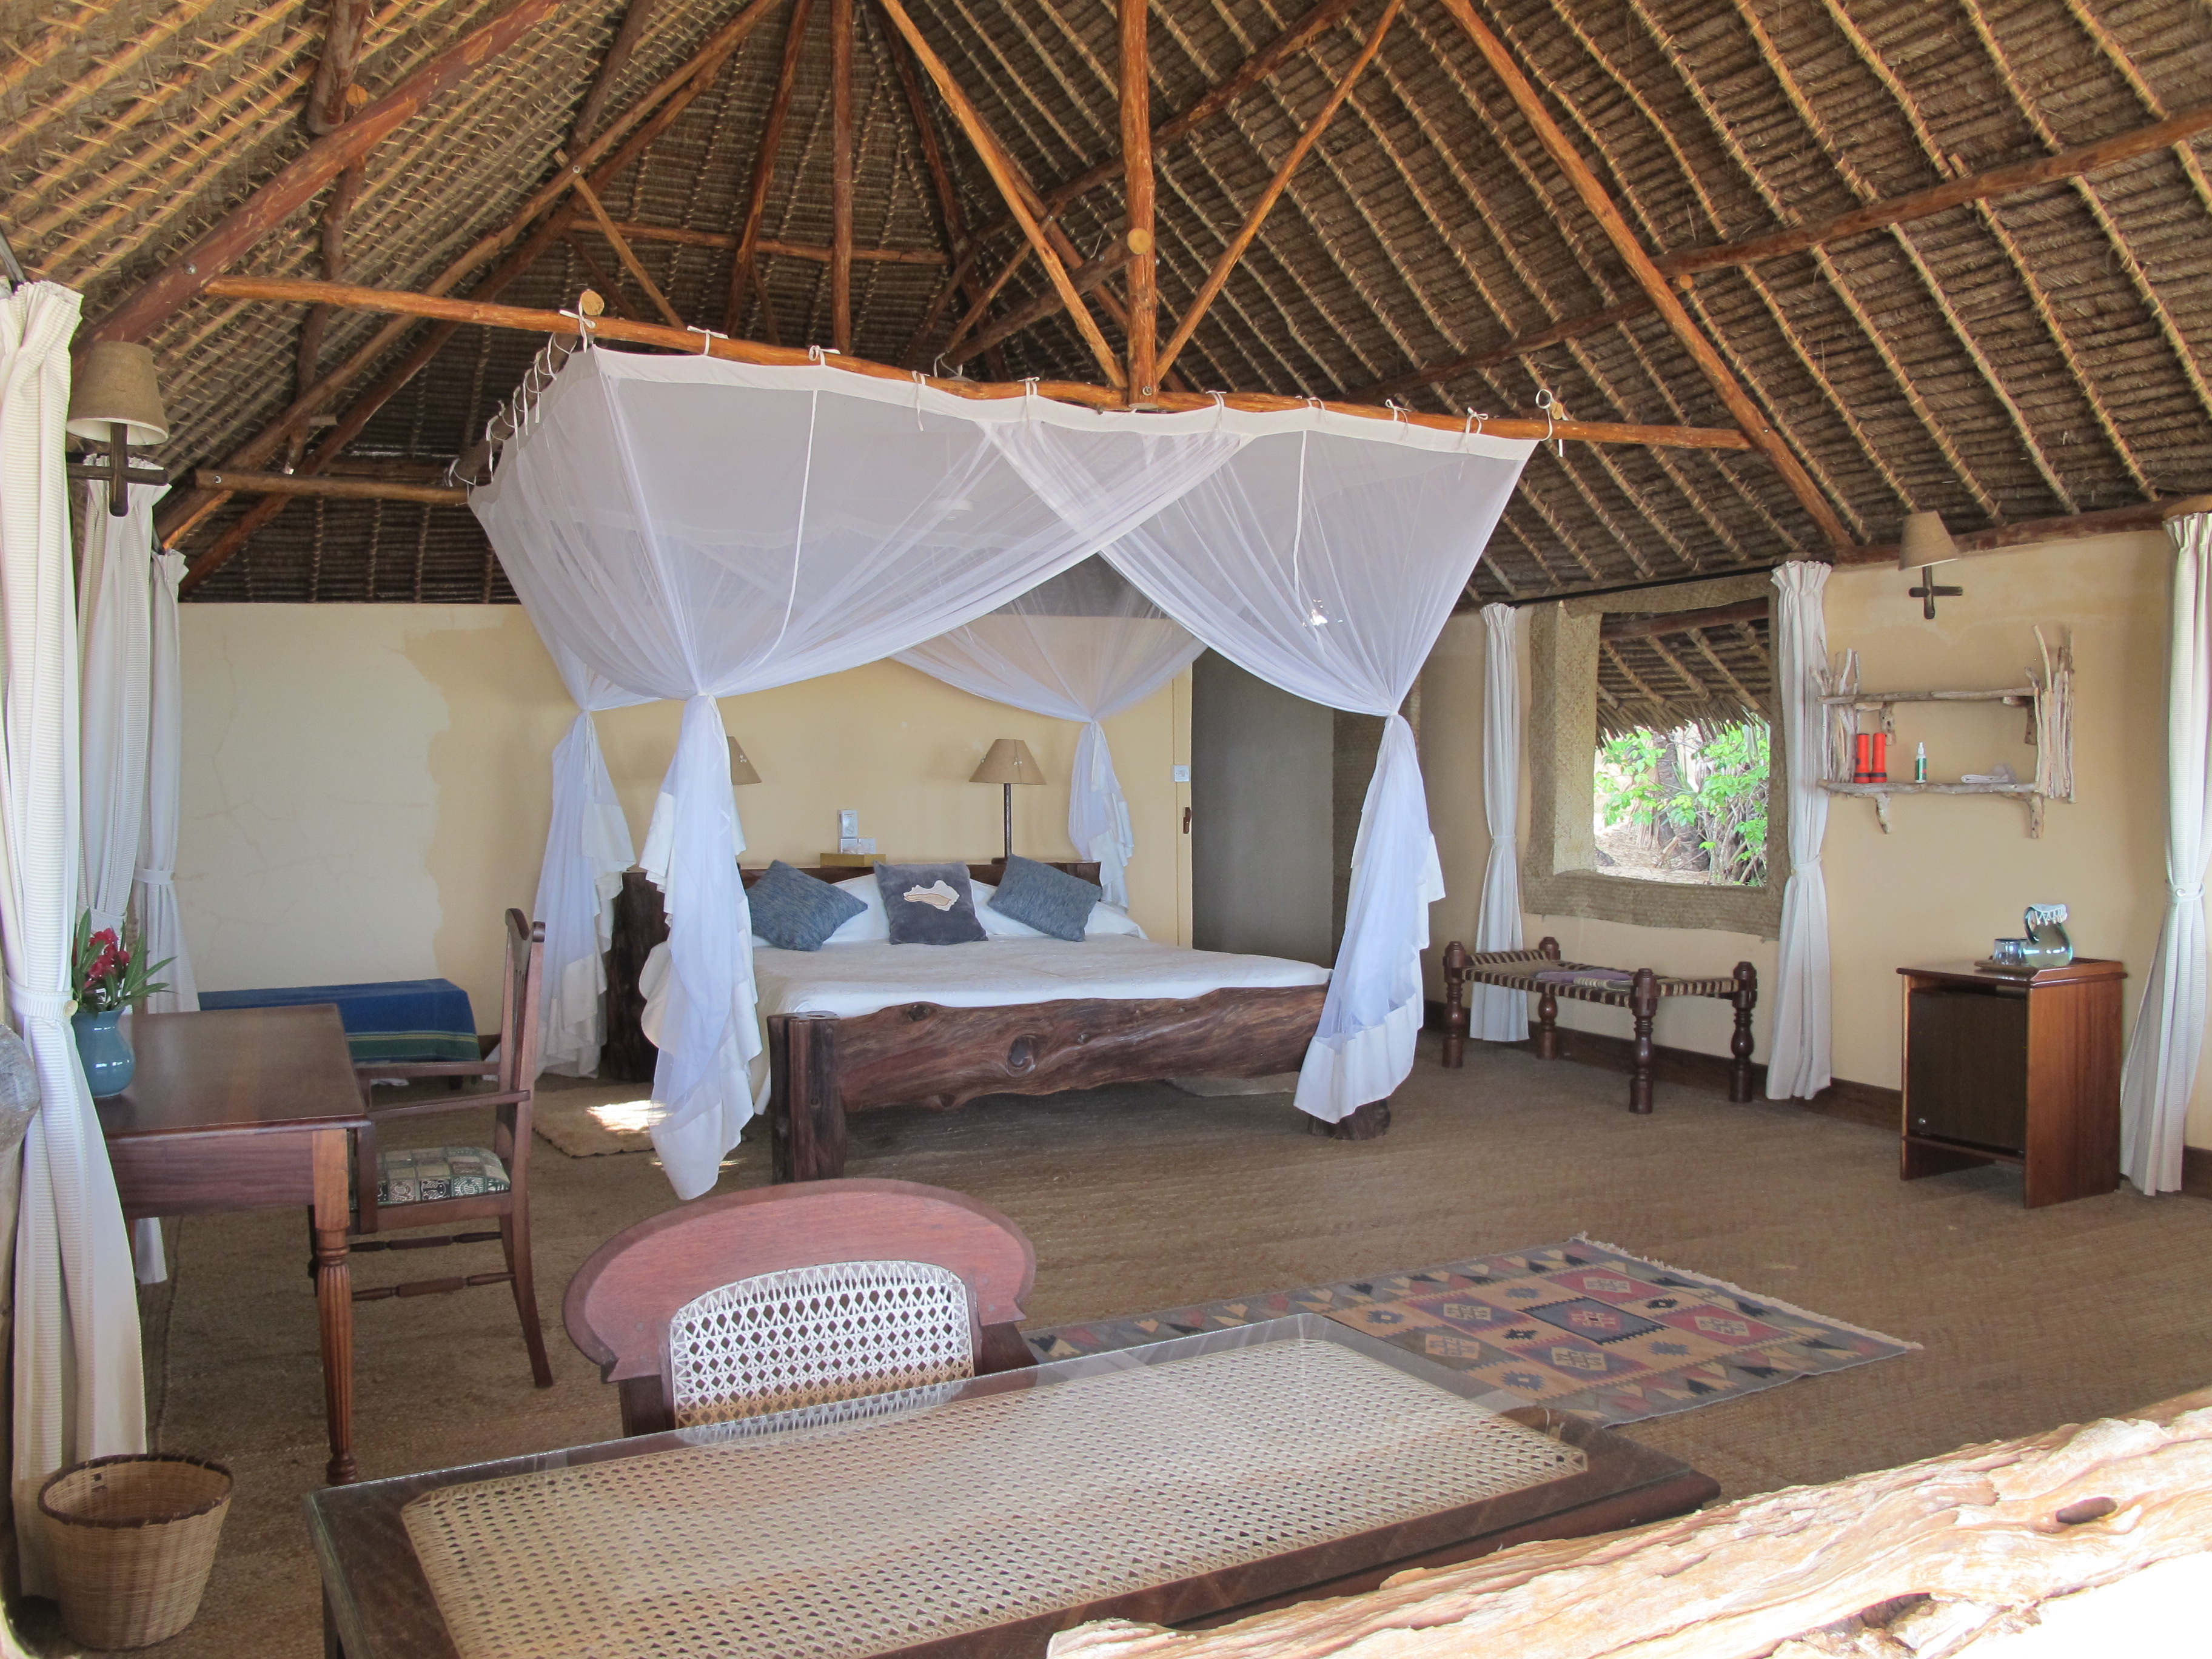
<point x="1455" y="1054"/>
<point x="806" y="1115"/>
<point x="1745" y="1000"/>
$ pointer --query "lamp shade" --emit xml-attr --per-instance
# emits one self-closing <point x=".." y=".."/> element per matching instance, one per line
<point x="113" y="384"/>
<point x="1009" y="761"/>
<point x="741" y="769"/>
<point x="1925" y="542"/>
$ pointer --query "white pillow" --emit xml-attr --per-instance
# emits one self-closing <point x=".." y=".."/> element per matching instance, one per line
<point x="1104" y="919"/>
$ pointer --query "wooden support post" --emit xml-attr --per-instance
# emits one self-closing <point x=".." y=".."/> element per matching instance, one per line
<point x="743" y="268"/>
<point x="841" y="176"/>
<point x="806" y="1115"/>
<point x="1252" y="220"/>
<point x="623" y="252"/>
<point x="156" y="300"/>
<point x="1137" y="193"/>
<point x="1643" y="1008"/>
<point x="1455" y="1019"/>
<point x="1663" y="299"/>
<point x="1001" y="168"/>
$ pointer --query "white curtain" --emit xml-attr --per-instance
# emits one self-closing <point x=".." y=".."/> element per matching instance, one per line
<point x="79" y="1389"/>
<point x="1324" y="557"/>
<point x="1494" y="1013"/>
<point x="1085" y="646"/>
<point x="694" y="529"/>
<point x="1797" y="1065"/>
<point x="2160" y="1072"/>
<point x="114" y="645"/>
<point x="160" y="926"/>
<point x="587" y="847"/>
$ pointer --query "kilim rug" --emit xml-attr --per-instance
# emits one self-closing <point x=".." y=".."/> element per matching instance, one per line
<point x="1582" y="1327"/>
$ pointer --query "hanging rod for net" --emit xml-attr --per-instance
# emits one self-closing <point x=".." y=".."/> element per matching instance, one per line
<point x="398" y="303"/>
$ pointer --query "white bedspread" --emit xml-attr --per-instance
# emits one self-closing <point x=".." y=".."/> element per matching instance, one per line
<point x="850" y="980"/>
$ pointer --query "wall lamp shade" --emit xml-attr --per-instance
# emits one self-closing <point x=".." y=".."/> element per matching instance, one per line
<point x="1925" y="542"/>
<point x="113" y="384"/>
<point x="1009" y="761"/>
<point x="742" y="769"/>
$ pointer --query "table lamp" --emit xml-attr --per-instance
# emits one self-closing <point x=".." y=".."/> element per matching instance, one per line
<point x="1924" y="545"/>
<point x="1009" y="763"/>
<point x="116" y="402"/>
<point x="741" y="769"/>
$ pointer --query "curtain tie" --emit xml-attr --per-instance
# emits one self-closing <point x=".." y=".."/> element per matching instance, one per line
<point x="29" y="1005"/>
<point x="156" y="877"/>
<point x="1813" y="863"/>
<point x="2187" y="894"/>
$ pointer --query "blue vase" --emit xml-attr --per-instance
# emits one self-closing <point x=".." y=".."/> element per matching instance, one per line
<point x="100" y="1044"/>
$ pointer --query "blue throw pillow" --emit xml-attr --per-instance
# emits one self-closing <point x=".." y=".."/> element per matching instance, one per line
<point x="793" y="911"/>
<point x="1051" y="901"/>
<point x="928" y="904"/>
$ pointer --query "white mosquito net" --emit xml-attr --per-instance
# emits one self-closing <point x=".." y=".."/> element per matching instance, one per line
<point x="693" y="528"/>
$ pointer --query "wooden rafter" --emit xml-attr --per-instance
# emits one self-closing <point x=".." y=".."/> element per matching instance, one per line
<point x="603" y="280"/>
<point x="624" y="251"/>
<point x="770" y="247"/>
<point x="764" y="175"/>
<point x="329" y="488"/>
<point x="1136" y="113"/>
<point x="1599" y="206"/>
<point x="1988" y="185"/>
<point x="635" y="18"/>
<point x="840" y="174"/>
<point x="1003" y="173"/>
<point x="345" y="27"/>
<point x="642" y="122"/>
<point x="287" y="290"/>
<point x="1086" y="278"/>
<point x="1258" y="213"/>
<point x="157" y="299"/>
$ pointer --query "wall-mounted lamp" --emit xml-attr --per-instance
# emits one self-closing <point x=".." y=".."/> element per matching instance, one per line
<point x="1009" y="763"/>
<point x="116" y="402"/>
<point x="742" y="771"/>
<point x="1925" y="544"/>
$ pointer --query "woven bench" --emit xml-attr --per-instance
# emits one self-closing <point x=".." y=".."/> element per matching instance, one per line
<point x="1638" y="990"/>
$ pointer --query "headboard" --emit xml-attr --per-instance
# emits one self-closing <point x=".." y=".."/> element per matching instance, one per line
<point x="640" y="924"/>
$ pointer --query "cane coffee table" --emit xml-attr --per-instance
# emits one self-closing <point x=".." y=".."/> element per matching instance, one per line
<point x="1190" y="1481"/>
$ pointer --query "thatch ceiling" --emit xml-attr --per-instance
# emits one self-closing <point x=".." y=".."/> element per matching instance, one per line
<point x="2043" y="353"/>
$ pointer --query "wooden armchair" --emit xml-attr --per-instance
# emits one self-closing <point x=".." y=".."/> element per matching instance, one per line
<point x="779" y="1298"/>
<point x="439" y="1186"/>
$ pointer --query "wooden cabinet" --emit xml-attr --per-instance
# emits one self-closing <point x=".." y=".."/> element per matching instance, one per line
<point x="2024" y="1071"/>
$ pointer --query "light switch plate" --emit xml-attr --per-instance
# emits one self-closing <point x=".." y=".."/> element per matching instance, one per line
<point x="1182" y="774"/>
<point x="848" y="822"/>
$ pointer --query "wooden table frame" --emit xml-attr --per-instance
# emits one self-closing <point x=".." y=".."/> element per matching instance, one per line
<point x="250" y="1108"/>
<point x="379" y="1603"/>
<point x="1517" y="970"/>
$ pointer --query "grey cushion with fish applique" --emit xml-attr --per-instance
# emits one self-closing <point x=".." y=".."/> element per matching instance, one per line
<point x="928" y="904"/>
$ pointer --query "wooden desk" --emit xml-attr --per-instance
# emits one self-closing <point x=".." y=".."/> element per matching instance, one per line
<point x="1118" y="1484"/>
<point x="249" y="1109"/>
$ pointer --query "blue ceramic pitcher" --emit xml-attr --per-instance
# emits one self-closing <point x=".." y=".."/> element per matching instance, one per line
<point x="105" y="1052"/>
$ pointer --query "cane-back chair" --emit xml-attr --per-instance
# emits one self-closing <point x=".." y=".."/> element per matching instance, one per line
<point x="439" y="1186"/>
<point x="779" y="1297"/>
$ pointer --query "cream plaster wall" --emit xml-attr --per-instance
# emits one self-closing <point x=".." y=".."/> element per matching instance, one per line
<point x="1954" y="872"/>
<point x="366" y="786"/>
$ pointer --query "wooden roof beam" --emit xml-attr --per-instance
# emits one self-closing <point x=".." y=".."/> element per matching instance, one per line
<point x="1986" y="185"/>
<point x="335" y="489"/>
<point x="1136" y="116"/>
<point x="1260" y="209"/>
<point x="1601" y="207"/>
<point x="657" y="110"/>
<point x="1086" y="278"/>
<point x="1681" y="622"/>
<point x="624" y="251"/>
<point x="238" y="232"/>
<point x="620" y="51"/>
<point x="771" y="140"/>
<point x="768" y="246"/>
<point x="289" y="290"/>
<point x="841" y="176"/>
<point x="1003" y="173"/>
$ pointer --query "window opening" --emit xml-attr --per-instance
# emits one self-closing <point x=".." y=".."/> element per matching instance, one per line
<point x="1685" y="805"/>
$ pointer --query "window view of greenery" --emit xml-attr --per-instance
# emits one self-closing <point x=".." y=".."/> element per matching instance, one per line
<point x="1685" y="806"/>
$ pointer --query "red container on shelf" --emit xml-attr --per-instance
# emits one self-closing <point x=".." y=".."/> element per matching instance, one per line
<point x="1870" y="758"/>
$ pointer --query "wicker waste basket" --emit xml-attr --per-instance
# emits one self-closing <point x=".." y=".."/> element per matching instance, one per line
<point x="132" y="1539"/>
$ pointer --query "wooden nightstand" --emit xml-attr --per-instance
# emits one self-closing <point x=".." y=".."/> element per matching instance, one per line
<point x="2024" y="1071"/>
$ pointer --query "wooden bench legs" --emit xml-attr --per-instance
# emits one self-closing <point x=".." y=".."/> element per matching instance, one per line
<point x="1745" y="1000"/>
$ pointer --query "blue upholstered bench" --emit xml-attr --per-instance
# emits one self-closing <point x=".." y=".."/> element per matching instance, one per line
<point x="400" y="1019"/>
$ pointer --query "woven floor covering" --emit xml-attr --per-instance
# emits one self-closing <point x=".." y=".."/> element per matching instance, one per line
<point x="1582" y="1327"/>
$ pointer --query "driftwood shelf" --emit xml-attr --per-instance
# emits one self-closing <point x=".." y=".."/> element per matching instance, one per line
<point x="2048" y="697"/>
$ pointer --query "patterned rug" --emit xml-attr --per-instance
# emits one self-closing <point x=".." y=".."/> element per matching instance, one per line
<point x="1582" y="1327"/>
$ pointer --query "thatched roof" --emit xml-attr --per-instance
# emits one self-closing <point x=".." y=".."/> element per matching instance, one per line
<point x="2044" y="353"/>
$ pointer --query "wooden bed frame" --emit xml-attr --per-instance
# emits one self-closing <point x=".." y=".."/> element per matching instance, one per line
<point x="822" y="1068"/>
